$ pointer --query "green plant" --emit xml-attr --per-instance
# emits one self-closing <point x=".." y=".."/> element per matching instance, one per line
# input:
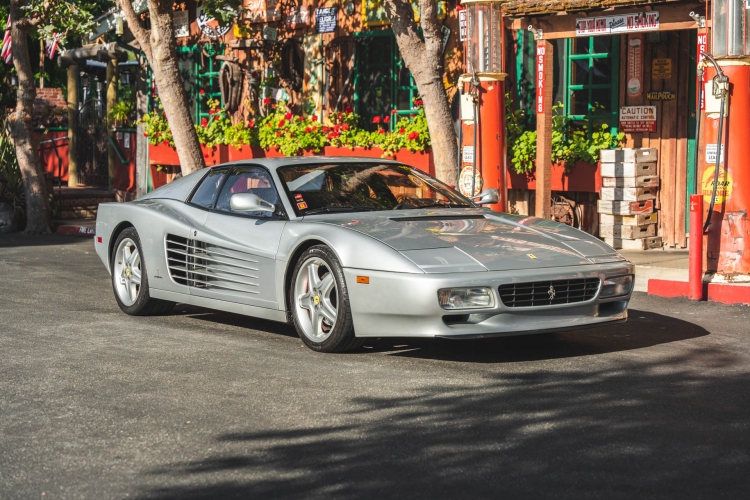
<point x="570" y="141"/>
<point x="212" y="130"/>
<point x="121" y="114"/>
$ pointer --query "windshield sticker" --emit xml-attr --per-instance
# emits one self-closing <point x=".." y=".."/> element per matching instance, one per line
<point x="417" y="182"/>
<point x="298" y="197"/>
<point x="302" y="205"/>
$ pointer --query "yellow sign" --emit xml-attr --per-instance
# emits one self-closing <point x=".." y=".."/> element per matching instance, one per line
<point x="661" y="69"/>
<point x="723" y="189"/>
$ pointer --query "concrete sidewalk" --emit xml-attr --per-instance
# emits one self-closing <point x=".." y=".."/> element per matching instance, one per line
<point x="657" y="264"/>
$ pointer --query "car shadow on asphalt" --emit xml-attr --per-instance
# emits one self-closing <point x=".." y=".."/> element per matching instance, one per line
<point x="13" y="240"/>
<point x="236" y="320"/>
<point x="643" y="329"/>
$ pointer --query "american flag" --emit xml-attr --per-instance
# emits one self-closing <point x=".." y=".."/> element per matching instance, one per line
<point x="5" y="52"/>
<point x="50" y="46"/>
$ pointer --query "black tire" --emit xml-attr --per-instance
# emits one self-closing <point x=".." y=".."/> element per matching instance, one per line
<point x="144" y="305"/>
<point x="342" y="337"/>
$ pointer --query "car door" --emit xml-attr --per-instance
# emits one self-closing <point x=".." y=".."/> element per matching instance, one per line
<point x="236" y="251"/>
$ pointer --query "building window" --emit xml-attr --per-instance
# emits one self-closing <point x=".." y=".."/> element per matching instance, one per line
<point x="382" y="80"/>
<point x="592" y="73"/>
<point x="199" y="71"/>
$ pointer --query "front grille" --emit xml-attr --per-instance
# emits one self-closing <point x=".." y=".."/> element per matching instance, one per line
<point x="548" y="293"/>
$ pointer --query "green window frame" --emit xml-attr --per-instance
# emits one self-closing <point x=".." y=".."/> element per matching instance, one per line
<point x="587" y="84"/>
<point x="398" y="87"/>
<point x="198" y="72"/>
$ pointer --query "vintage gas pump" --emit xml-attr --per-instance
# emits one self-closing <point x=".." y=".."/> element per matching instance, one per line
<point x="482" y="163"/>
<point x="724" y="171"/>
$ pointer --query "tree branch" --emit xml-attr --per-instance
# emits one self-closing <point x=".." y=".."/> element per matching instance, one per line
<point x="135" y="27"/>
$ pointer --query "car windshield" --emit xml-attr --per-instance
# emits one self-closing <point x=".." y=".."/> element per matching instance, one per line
<point x="356" y="187"/>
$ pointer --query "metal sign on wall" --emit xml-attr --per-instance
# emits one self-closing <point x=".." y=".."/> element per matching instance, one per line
<point x="702" y="47"/>
<point x="611" y="25"/>
<point x="638" y="119"/>
<point x="635" y="64"/>
<point x="540" y="78"/>
<point x="661" y="69"/>
<point x="661" y="95"/>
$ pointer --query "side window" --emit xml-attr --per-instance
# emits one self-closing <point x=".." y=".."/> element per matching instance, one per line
<point x="205" y="195"/>
<point x="254" y="180"/>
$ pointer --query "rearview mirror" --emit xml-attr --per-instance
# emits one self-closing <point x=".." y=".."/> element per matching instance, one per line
<point x="247" y="202"/>
<point x="487" y="197"/>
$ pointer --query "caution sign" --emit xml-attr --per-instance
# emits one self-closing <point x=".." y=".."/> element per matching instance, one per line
<point x="465" y="180"/>
<point x="723" y="188"/>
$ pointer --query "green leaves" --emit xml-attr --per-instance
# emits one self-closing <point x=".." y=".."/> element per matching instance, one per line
<point x="62" y="18"/>
<point x="570" y="141"/>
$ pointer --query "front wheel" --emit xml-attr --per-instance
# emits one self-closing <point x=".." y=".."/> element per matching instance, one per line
<point x="320" y="302"/>
<point x="129" y="278"/>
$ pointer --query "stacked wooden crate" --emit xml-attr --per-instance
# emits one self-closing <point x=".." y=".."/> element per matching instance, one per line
<point x="627" y="219"/>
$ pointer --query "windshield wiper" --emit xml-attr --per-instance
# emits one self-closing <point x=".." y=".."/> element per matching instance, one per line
<point x="321" y="210"/>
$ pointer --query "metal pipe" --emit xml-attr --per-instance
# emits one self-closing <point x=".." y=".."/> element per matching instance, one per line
<point x="695" y="255"/>
<point x="475" y="85"/>
<point x="696" y="181"/>
<point x="723" y="78"/>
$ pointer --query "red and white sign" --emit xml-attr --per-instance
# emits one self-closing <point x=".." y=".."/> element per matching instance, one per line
<point x="702" y="47"/>
<point x="638" y="119"/>
<point x="635" y="64"/>
<point x="462" y="24"/>
<point x="297" y="17"/>
<point x="610" y="25"/>
<point x="540" y="78"/>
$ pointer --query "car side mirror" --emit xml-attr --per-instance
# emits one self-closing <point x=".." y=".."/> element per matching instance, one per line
<point x="487" y="197"/>
<point x="248" y="202"/>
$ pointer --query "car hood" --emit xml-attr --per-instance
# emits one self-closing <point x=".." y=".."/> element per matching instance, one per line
<point x="468" y="240"/>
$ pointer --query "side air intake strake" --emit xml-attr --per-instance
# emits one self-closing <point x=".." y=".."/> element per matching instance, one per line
<point x="202" y="265"/>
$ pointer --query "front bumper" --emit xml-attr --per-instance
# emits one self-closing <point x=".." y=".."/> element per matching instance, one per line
<point x="406" y="305"/>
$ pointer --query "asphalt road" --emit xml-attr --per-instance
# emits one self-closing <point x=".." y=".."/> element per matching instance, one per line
<point x="194" y="405"/>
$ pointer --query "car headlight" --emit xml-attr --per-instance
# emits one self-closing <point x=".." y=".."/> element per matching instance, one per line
<point x="466" y="298"/>
<point x="616" y="286"/>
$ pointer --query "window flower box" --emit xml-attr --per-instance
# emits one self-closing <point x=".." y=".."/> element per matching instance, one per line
<point x="584" y="177"/>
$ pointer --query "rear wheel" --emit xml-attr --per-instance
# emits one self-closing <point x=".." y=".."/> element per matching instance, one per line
<point x="320" y="303"/>
<point x="129" y="278"/>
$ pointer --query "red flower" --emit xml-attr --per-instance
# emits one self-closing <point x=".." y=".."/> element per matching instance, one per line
<point x="157" y="134"/>
<point x="251" y="122"/>
<point x="336" y="127"/>
<point x="375" y="119"/>
<point x="324" y="129"/>
<point x="205" y="155"/>
<point x="314" y="118"/>
<point x="331" y="135"/>
<point x="413" y="136"/>
<point x="394" y="111"/>
<point x="345" y="126"/>
<point x="281" y="123"/>
<point x="278" y="134"/>
<point x="204" y="122"/>
<point x="288" y="116"/>
<point x="164" y="113"/>
<point x="145" y="134"/>
<point x="418" y="102"/>
<point x="299" y="118"/>
<point x="211" y="111"/>
<point x="202" y="92"/>
<point x="402" y="130"/>
<point x="315" y="129"/>
<point x="381" y="131"/>
<point x="386" y="119"/>
<point x="412" y="115"/>
<point x="266" y="101"/>
<point x="308" y="129"/>
<point x="338" y="116"/>
<point x="348" y="109"/>
<point x="166" y="142"/>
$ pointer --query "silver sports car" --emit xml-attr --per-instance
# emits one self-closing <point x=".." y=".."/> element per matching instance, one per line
<point x="353" y="248"/>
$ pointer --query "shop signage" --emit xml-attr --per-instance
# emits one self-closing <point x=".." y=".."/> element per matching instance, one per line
<point x="325" y="20"/>
<point x="711" y="154"/>
<point x="624" y="23"/>
<point x="468" y="177"/>
<point x="462" y="25"/>
<point x="261" y="11"/>
<point x="724" y="187"/>
<point x="540" y="78"/>
<point x="702" y="47"/>
<point x="181" y="24"/>
<point x="297" y="17"/>
<point x="661" y="69"/>
<point x="446" y="32"/>
<point x="638" y="119"/>
<point x="661" y="95"/>
<point x="635" y="64"/>
<point x="210" y="26"/>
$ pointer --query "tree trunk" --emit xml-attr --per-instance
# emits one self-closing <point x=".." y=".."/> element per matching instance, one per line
<point x="22" y="130"/>
<point x="424" y="58"/>
<point x="159" y="47"/>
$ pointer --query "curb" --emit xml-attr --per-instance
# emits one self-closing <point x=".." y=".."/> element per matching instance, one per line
<point x="76" y="231"/>
<point x="714" y="292"/>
